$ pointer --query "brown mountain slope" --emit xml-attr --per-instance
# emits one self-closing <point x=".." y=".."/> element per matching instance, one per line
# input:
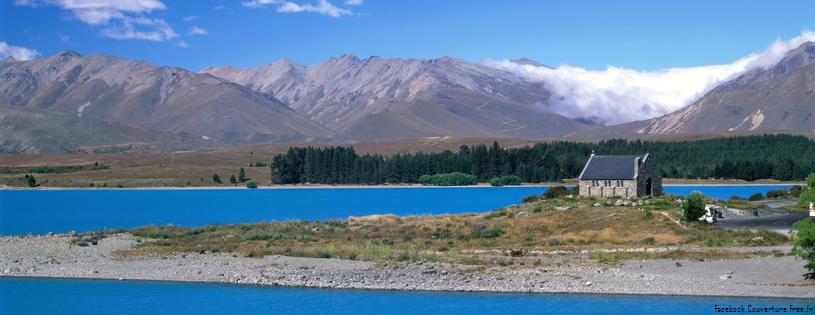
<point x="31" y="130"/>
<point x="781" y="97"/>
<point x="377" y="99"/>
<point x="152" y="98"/>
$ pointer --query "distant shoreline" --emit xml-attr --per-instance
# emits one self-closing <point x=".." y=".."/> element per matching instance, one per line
<point x="480" y="185"/>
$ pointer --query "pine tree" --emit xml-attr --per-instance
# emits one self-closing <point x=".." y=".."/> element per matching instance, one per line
<point x="31" y="181"/>
<point x="241" y="176"/>
<point x="232" y="179"/>
<point x="216" y="179"/>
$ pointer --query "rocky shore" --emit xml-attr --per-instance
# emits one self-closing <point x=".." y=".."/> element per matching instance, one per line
<point x="56" y="256"/>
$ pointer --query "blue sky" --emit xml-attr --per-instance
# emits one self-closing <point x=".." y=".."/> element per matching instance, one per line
<point x="638" y="35"/>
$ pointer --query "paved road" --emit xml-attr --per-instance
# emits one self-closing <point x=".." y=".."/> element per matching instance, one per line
<point x="781" y="221"/>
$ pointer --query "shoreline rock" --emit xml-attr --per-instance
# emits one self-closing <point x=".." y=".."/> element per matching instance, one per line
<point x="54" y="257"/>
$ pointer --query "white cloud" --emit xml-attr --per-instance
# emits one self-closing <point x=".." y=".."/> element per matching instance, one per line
<point x="322" y="7"/>
<point x="220" y="7"/>
<point x="353" y="2"/>
<point x="120" y="19"/>
<point x="190" y="18"/>
<point x="65" y="38"/>
<point x="195" y="30"/>
<point x="26" y="3"/>
<point x="182" y="44"/>
<point x="619" y="95"/>
<point x="140" y="28"/>
<point x="16" y="52"/>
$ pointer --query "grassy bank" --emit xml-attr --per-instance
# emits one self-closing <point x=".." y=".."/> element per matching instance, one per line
<point x="642" y="230"/>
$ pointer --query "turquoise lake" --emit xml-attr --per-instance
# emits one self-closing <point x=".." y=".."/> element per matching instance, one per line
<point x="60" y="296"/>
<point x="61" y="211"/>
<point x="41" y="211"/>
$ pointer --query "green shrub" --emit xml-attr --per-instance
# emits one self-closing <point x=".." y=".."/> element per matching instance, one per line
<point x="693" y="208"/>
<point x="483" y="231"/>
<point x="805" y="244"/>
<point x="795" y="191"/>
<point x="808" y="193"/>
<point x="530" y="198"/>
<point x="597" y="255"/>
<point x="495" y="214"/>
<point x="511" y="180"/>
<point x="777" y="193"/>
<point x="756" y="197"/>
<point x="251" y="185"/>
<point x="556" y="191"/>
<point x="216" y="178"/>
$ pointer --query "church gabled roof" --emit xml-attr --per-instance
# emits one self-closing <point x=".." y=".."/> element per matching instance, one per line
<point x="603" y="167"/>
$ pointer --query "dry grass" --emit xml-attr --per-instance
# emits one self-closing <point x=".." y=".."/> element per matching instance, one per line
<point x="195" y="168"/>
<point x="456" y="237"/>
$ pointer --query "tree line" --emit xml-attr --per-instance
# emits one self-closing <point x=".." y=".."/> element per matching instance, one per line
<point x="781" y="156"/>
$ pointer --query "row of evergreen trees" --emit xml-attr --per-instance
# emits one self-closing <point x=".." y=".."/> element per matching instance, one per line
<point x="782" y="157"/>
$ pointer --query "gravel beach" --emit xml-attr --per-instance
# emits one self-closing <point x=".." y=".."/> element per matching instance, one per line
<point x="55" y="256"/>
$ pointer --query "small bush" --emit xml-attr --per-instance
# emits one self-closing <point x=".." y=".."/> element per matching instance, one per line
<point x="735" y="198"/>
<point x="537" y="209"/>
<point x="531" y="198"/>
<point x="556" y="191"/>
<point x="597" y="255"/>
<point x="505" y="181"/>
<point x="777" y="193"/>
<point x="251" y="185"/>
<point x="756" y="197"/>
<point x="795" y="191"/>
<point x="650" y="240"/>
<point x="482" y="231"/>
<point x="495" y="214"/>
<point x="693" y="208"/>
<point x="805" y="244"/>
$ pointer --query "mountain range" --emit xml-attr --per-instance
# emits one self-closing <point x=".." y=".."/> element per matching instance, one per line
<point x="776" y="98"/>
<point x="69" y="103"/>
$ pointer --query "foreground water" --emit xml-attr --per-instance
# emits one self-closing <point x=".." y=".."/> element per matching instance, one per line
<point x="61" y="296"/>
<point x="61" y="211"/>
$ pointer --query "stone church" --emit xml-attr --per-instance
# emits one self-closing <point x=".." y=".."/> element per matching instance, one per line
<point x="620" y="175"/>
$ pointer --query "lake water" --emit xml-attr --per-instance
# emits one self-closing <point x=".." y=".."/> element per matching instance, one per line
<point x="40" y="211"/>
<point x="61" y="296"/>
<point x="61" y="211"/>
